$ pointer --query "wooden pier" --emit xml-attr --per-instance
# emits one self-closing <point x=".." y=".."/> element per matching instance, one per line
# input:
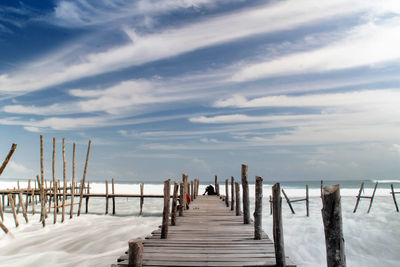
<point x="209" y="234"/>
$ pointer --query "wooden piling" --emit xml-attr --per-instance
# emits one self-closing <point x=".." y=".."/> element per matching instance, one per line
<point x="258" y="209"/>
<point x="33" y="202"/>
<point x="113" y="192"/>
<point x="372" y="197"/>
<point x="174" y="203"/>
<point x="84" y="179"/>
<point x="12" y="203"/>
<point x="226" y="192"/>
<point x="184" y="180"/>
<point x="71" y="211"/>
<point x="394" y="198"/>
<point x="307" y="202"/>
<point x="332" y="219"/>
<point x="181" y="197"/>
<point x="1" y="210"/>
<point x="270" y="205"/>
<point x="87" y="198"/>
<point x="21" y="200"/>
<point x="8" y="157"/>
<point x="42" y="199"/>
<point x="246" y="198"/>
<point x="135" y="253"/>
<point x="141" y="198"/>
<point x="277" y="226"/>
<point x="28" y="191"/>
<point x="288" y="201"/>
<point x="237" y="194"/>
<point x="216" y="185"/>
<point x="64" y="180"/>
<point x="5" y="229"/>
<point x="165" y="220"/>
<point x="192" y="190"/>
<point x="106" y="197"/>
<point x="232" y="193"/>
<point x="358" y="197"/>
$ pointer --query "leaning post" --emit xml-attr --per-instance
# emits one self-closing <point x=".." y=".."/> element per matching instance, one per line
<point x="165" y="220"/>
<point x="84" y="179"/>
<point x="246" y="200"/>
<point x="258" y="209"/>
<point x="277" y="226"/>
<point x="332" y="219"/>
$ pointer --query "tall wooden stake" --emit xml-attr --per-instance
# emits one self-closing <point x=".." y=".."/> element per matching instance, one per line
<point x="237" y="194"/>
<point x="226" y="192"/>
<point x="277" y="226"/>
<point x="106" y="197"/>
<point x="141" y="198"/>
<point x="65" y="181"/>
<point x="232" y="193"/>
<point x="174" y="203"/>
<point x="165" y="220"/>
<point x="71" y="211"/>
<point x="21" y="200"/>
<point x="307" y="202"/>
<point x="332" y="218"/>
<point x="258" y="209"/>
<point x="358" y="197"/>
<point x="394" y="198"/>
<point x="8" y="157"/>
<point x="372" y="197"/>
<point x="84" y="179"/>
<point x="246" y="198"/>
<point x="184" y="180"/>
<point x="12" y="203"/>
<point x="113" y="192"/>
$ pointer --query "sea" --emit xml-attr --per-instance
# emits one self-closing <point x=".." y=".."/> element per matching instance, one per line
<point x="95" y="239"/>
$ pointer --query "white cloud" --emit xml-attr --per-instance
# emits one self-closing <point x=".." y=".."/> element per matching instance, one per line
<point x="145" y="48"/>
<point x="18" y="168"/>
<point x="366" y="45"/>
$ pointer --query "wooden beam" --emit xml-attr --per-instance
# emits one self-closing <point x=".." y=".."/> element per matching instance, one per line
<point x="277" y="226"/>
<point x="174" y="203"/>
<point x="288" y="201"/>
<point x="358" y="197"/>
<point x="258" y="208"/>
<point x="394" y="198"/>
<point x="84" y="179"/>
<point x="165" y="220"/>
<point x="8" y="157"/>
<point x="246" y="198"/>
<point x="71" y="211"/>
<point x="372" y="197"/>
<point x="135" y="253"/>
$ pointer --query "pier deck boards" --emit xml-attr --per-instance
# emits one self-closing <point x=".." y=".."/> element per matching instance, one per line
<point x="209" y="234"/>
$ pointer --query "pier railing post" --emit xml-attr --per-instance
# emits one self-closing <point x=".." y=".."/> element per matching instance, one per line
<point x="277" y="226"/>
<point x="181" y="198"/>
<point x="246" y="199"/>
<point x="165" y="221"/>
<point x="258" y="209"/>
<point x="232" y="193"/>
<point x="184" y="180"/>
<point x="174" y="203"/>
<point x="216" y="185"/>
<point x="191" y="190"/>
<point x="227" y="192"/>
<point x="135" y="253"/>
<point x="332" y="219"/>
<point x="237" y="194"/>
<point x="141" y="198"/>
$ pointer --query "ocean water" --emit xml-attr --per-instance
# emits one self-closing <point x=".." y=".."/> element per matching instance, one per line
<point x="96" y="239"/>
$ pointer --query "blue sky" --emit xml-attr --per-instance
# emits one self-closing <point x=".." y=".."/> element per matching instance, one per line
<point x="297" y="90"/>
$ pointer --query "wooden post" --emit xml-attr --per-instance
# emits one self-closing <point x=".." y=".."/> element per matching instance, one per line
<point x="216" y="184"/>
<point x="288" y="201"/>
<point x="106" y="197"/>
<point x="21" y="200"/>
<point x="372" y="197"/>
<point x="332" y="219"/>
<point x="28" y="191"/>
<point x="1" y="210"/>
<point x="184" y="180"/>
<point x="71" y="211"/>
<point x="181" y="197"/>
<point x="165" y="220"/>
<point x="8" y="157"/>
<point x="141" y="198"/>
<point x="12" y="203"/>
<point x="135" y="253"/>
<point x="246" y="198"/>
<point x="84" y="179"/>
<point x="87" y="198"/>
<point x="358" y="197"/>
<point x="227" y="192"/>
<point x="237" y="194"/>
<point x="270" y="205"/>
<point x="393" y="195"/>
<point x="174" y="203"/>
<point x="5" y="229"/>
<point x="42" y="200"/>
<point x="113" y="192"/>
<point x="232" y="193"/>
<point x="33" y="201"/>
<point x="191" y="190"/>
<point x="277" y="226"/>
<point x="65" y="181"/>
<point x="258" y="209"/>
<point x="322" y="185"/>
<point x="307" y="202"/>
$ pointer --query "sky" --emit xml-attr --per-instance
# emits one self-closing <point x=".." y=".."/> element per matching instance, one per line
<point x="298" y="90"/>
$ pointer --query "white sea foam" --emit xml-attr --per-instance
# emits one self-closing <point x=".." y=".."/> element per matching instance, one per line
<point x="96" y="239"/>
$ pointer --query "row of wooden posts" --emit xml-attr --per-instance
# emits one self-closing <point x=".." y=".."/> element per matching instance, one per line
<point x="331" y="214"/>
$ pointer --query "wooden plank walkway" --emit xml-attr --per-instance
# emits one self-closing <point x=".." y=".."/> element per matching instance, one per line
<point x="209" y="234"/>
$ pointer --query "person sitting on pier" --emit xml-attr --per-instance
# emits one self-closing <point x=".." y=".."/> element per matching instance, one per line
<point x="210" y="190"/>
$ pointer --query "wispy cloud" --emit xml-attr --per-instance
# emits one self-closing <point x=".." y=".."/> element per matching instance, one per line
<point x="366" y="45"/>
<point x="175" y="41"/>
